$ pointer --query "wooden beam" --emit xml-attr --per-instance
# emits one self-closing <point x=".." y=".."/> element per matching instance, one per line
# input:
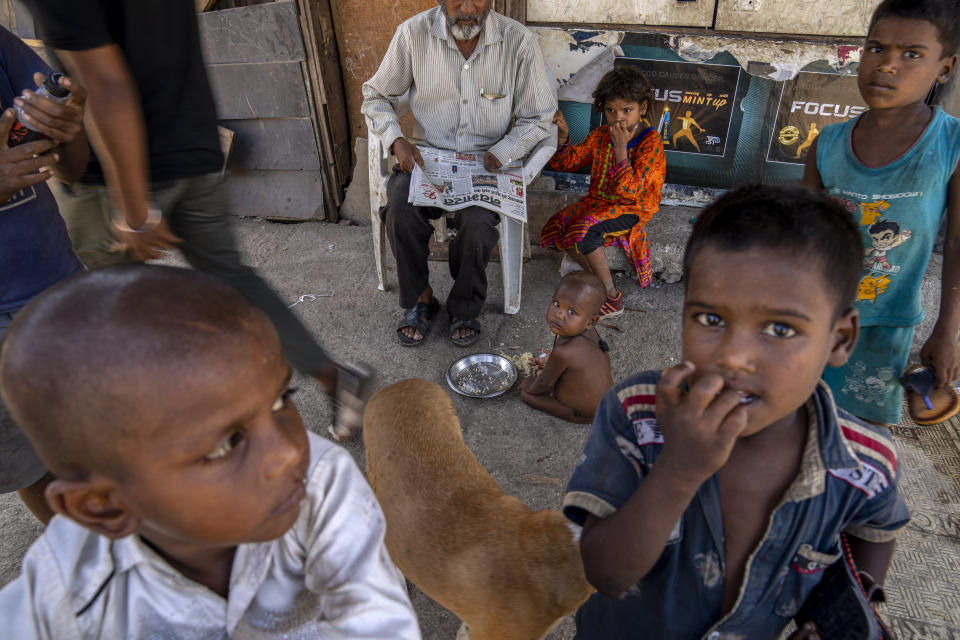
<point x="204" y="5"/>
<point x="516" y="9"/>
<point x="322" y="70"/>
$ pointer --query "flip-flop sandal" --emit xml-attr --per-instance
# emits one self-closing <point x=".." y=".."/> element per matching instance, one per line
<point x="927" y="403"/>
<point x="349" y="398"/>
<point x="418" y="318"/>
<point x="469" y="339"/>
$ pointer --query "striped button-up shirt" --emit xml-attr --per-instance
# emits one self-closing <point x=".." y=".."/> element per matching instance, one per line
<point x="458" y="104"/>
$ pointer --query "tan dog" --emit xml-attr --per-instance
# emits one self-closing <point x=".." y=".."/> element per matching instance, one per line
<point x="507" y="572"/>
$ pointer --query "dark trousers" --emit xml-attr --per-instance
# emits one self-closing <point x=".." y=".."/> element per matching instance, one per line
<point x="594" y="237"/>
<point x="409" y="230"/>
<point x="196" y="210"/>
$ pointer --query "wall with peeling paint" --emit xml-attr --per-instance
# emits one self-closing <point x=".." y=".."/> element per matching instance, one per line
<point x="774" y="59"/>
<point x="767" y="39"/>
<point x="809" y="17"/>
<point x="578" y="58"/>
<point x="698" y="13"/>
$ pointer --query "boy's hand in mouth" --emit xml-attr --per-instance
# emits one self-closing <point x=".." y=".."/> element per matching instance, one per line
<point x="700" y="422"/>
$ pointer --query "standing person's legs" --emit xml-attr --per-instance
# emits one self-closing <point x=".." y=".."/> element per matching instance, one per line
<point x="409" y="230"/>
<point x="868" y="385"/>
<point x="196" y="211"/>
<point x="469" y="254"/>
<point x="20" y="468"/>
<point x="87" y="210"/>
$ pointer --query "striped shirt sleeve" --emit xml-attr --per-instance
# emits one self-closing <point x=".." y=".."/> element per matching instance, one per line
<point x="381" y="93"/>
<point x="499" y="99"/>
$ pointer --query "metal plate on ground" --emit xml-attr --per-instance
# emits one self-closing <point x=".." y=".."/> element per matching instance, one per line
<point x="481" y="375"/>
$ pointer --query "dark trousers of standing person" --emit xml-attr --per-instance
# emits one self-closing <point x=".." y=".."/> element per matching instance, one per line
<point x="197" y="212"/>
<point x="409" y="230"/>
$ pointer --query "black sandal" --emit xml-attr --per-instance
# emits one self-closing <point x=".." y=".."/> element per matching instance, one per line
<point x="418" y="318"/>
<point x="467" y="340"/>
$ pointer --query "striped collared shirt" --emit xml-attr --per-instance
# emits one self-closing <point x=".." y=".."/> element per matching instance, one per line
<point x="463" y="105"/>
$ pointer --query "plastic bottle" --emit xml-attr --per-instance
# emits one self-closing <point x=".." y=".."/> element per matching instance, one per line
<point x="51" y="89"/>
<point x="664" y="127"/>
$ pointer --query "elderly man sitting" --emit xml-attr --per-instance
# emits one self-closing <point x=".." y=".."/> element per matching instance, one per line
<point x="470" y="73"/>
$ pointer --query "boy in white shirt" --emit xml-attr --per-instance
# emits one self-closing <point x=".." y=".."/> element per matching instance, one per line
<point x="191" y="500"/>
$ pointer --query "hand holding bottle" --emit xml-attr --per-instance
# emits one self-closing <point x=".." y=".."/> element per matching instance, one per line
<point x="54" y="110"/>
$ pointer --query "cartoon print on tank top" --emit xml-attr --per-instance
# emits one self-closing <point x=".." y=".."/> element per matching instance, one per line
<point x="884" y="236"/>
<point x="872" y="286"/>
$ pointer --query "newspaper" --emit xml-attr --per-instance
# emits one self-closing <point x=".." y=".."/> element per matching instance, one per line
<point x="452" y="181"/>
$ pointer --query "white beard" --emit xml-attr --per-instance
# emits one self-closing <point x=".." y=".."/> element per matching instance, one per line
<point x="466" y="32"/>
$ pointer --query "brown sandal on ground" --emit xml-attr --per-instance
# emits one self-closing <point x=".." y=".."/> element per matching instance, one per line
<point x="927" y="403"/>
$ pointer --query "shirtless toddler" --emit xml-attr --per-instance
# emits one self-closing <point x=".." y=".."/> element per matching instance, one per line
<point x="577" y="372"/>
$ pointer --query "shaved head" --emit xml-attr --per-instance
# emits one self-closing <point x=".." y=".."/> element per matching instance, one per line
<point x="87" y="365"/>
<point x="585" y="284"/>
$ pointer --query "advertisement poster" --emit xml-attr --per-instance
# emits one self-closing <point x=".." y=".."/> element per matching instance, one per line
<point x="808" y="103"/>
<point x="693" y="103"/>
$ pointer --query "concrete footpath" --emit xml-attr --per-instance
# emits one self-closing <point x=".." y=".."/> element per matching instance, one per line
<point x="528" y="453"/>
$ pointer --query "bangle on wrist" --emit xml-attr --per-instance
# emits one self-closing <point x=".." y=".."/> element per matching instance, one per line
<point x="154" y="216"/>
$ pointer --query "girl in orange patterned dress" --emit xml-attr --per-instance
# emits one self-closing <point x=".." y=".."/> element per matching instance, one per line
<point x="626" y="177"/>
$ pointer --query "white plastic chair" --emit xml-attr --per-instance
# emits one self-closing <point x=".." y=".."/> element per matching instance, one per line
<point x="511" y="230"/>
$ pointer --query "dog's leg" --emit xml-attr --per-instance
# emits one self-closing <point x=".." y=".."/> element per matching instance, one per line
<point x="463" y="633"/>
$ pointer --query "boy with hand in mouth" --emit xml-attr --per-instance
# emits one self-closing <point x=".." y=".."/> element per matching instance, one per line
<point x="577" y="371"/>
<point x="713" y="494"/>
<point x="191" y="500"/>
